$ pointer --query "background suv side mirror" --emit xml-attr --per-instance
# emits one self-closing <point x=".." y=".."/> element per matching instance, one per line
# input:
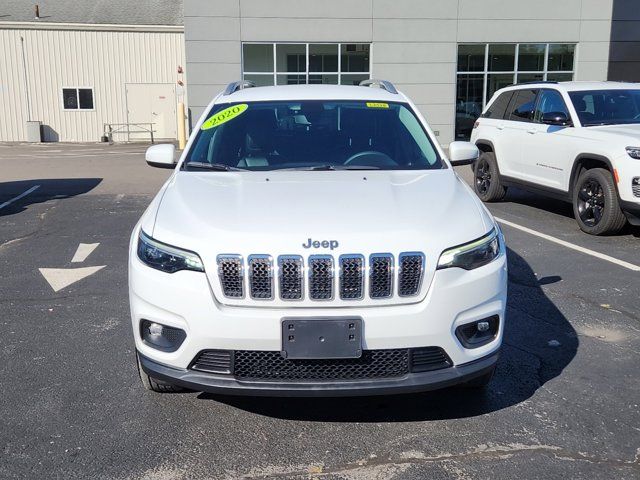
<point x="556" y="118"/>
<point x="463" y="153"/>
<point x="161" y="156"/>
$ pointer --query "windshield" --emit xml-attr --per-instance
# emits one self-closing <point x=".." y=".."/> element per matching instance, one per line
<point x="312" y="135"/>
<point x="607" y="107"/>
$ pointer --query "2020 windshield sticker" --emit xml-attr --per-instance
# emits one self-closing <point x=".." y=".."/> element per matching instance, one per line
<point x="377" y="105"/>
<point x="224" y="116"/>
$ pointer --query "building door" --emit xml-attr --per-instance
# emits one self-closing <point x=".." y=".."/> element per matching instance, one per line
<point x="152" y="103"/>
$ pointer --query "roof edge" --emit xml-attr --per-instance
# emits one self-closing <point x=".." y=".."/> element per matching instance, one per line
<point x="99" y="27"/>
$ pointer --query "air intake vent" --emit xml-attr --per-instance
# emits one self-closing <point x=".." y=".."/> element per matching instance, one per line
<point x="321" y="277"/>
<point x="429" y="358"/>
<point x="231" y="275"/>
<point x="351" y="277"/>
<point x="291" y="277"/>
<point x="214" y="361"/>
<point x="260" y="277"/>
<point x="381" y="275"/>
<point x="410" y="273"/>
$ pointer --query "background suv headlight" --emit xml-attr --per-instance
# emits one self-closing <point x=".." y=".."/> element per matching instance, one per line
<point x="473" y="254"/>
<point x="165" y="257"/>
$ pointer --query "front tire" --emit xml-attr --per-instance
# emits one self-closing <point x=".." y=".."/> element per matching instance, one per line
<point x="154" y="385"/>
<point x="595" y="203"/>
<point x="486" y="178"/>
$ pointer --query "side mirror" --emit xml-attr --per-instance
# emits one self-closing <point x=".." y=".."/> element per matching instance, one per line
<point x="556" y="118"/>
<point x="161" y="156"/>
<point x="463" y="153"/>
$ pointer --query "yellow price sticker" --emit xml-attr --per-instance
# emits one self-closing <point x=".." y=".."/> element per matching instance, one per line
<point x="224" y="116"/>
<point x="377" y="105"/>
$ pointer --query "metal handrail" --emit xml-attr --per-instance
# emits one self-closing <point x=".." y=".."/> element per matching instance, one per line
<point x="108" y="129"/>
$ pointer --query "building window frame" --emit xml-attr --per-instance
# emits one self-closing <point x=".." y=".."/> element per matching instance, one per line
<point x="306" y="73"/>
<point x="78" y="108"/>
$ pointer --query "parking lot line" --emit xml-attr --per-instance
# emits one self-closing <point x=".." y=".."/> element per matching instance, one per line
<point x="572" y="246"/>
<point x="23" y="194"/>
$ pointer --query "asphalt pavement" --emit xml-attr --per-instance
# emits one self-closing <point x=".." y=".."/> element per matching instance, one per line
<point x="564" y="402"/>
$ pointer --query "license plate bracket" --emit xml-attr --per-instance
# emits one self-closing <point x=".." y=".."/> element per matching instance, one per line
<point x="320" y="338"/>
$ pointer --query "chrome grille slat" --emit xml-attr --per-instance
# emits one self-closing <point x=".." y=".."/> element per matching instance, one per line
<point x="410" y="272"/>
<point x="291" y="277"/>
<point x="260" y="277"/>
<point x="231" y="274"/>
<point x="381" y="275"/>
<point x="351" y="277"/>
<point x="321" y="277"/>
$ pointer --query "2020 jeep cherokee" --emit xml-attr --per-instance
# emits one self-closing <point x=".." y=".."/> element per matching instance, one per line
<point x="576" y="141"/>
<point x="314" y="240"/>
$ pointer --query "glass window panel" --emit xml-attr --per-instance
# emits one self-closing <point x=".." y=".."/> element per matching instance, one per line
<point x="323" y="57"/>
<point x="291" y="57"/>
<point x="86" y="98"/>
<point x="522" y="105"/>
<point x="471" y="58"/>
<point x="291" y="79"/>
<point x="496" y="81"/>
<point x="355" y="57"/>
<point x="257" y="57"/>
<point x="70" y="98"/>
<point x="499" y="106"/>
<point x="550" y="101"/>
<point x="260" y="80"/>
<point x="560" y="57"/>
<point x="318" y="79"/>
<point x="501" y="57"/>
<point x="531" y="57"/>
<point x="468" y="103"/>
<point x="353" y="79"/>
<point x="559" y="77"/>
<point x="530" y="77"/>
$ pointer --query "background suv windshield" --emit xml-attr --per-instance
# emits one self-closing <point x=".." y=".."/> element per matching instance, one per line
<point x="313" y="134"/>
<point x="607" y="107"/>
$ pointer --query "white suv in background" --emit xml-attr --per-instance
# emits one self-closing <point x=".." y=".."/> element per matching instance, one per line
<point x="575" y="141"/>
<point x="314" y="240"/>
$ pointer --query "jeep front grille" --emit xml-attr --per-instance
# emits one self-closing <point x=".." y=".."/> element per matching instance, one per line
<point x="411" y="267"/>
<point x="319" y="272"/>
<point x="321" y="277"/>
<point x="231" y="273"/>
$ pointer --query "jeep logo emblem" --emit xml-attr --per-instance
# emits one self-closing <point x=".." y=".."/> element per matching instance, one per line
<point x="321" y="244"/>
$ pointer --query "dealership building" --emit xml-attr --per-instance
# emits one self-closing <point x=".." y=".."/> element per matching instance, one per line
<point x="449" y="56"/>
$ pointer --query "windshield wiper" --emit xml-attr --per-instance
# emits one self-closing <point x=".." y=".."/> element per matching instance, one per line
<point x="217" y="167"/>
<point x="330" y="168"/>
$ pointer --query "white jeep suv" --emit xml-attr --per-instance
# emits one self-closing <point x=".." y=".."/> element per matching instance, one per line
<point x="575" y="141"/>
<point x="314" y="240"/>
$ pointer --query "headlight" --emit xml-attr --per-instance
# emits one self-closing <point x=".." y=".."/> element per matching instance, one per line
<point x="165" y="257"/>
<point x="474" y="254"/>
<point x="634" y="152"/>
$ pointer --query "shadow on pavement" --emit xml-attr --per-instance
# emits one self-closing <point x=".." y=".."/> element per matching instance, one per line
<point x="539" y="343"/>
<point x="47" y="189"/>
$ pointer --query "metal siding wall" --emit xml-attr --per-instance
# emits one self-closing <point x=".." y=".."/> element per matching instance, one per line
<point x="103" y="60"/>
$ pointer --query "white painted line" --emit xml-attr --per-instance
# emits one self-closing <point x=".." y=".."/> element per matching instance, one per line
<point x="83" y="251"/>
<point x="572" y="246"/>
<point x="23" y="194"/>
<point x="59" y="278"/>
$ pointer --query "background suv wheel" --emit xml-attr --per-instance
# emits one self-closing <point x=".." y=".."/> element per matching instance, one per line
<point x="486" y="178"/>
<point x="595" y="203"/>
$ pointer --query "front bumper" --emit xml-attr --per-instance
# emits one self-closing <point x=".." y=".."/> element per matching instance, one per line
<point x="413" y="382"/>
<point x="631" y="211"/>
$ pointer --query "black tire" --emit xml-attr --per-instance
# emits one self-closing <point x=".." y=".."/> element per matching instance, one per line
<point x="595" y="203"/>
<point x="486" y="178"/>
<point x="480" y="382"/>
<point x="154" y="385"/>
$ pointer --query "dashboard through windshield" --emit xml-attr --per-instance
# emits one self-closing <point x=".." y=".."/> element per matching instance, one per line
<point x="312" y="135"/>
<point x="607" y="107"/>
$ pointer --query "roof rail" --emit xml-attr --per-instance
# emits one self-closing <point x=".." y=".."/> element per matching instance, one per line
<point x="388" y="86"/>
<point x="235" y="86"/>
<point x="532" y="82"/>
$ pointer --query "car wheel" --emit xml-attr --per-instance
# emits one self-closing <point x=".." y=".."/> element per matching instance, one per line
<point x="480" y="382"/>
<point x="486" y="178"/>
<point x="595" y="203"/>
<point x="153" y="384"/>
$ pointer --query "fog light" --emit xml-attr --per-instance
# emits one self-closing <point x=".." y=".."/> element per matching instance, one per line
<point x="478" y="333"/>
<point x="161" y="337"/>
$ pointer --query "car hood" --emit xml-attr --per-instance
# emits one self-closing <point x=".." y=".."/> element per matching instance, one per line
<point x="276" y="213"/>
<point x="631" y="131"/>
